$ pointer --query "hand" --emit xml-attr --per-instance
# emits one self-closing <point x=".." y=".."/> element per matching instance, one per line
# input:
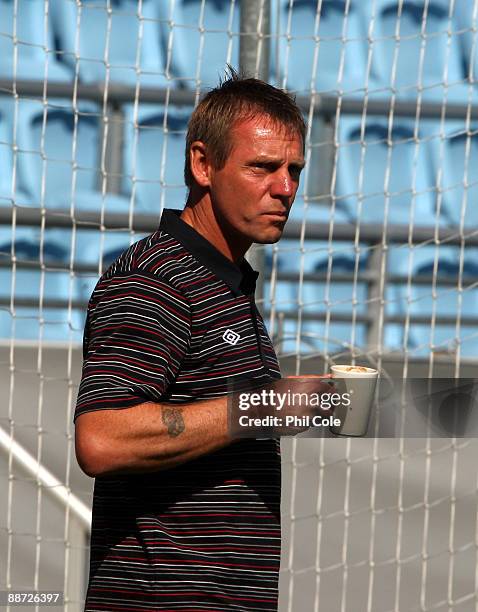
<point x="308" y="396"/>
<point x="283" y="407"/>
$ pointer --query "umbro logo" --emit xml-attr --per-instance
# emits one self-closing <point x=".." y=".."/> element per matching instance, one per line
<point x="231" y="337"/>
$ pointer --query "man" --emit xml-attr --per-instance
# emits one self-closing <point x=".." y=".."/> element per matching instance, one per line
<point x="184" y="519"/>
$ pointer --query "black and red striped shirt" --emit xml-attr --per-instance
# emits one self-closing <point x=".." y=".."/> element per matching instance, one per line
<point x="173" y="320"/>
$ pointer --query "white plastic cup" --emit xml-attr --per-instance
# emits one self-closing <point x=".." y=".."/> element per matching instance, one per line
<point x="359" y="382"/>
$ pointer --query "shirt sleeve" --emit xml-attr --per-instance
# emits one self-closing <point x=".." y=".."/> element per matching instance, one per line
<point x="138" y="330"/>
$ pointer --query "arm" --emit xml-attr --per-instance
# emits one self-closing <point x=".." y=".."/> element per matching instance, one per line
<point x="149" y="437"/>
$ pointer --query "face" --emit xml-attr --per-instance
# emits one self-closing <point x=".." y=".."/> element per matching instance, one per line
<point x="253" y="193"/>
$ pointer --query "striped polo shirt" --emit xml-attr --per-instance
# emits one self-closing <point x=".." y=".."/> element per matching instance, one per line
<point x="173" y="320"/>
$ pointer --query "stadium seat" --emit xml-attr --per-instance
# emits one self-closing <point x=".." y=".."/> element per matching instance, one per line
<point x="90" y="247"/>
<point x="426" y="299"/>
<point x="206" y="38"/>
<point x="58" y="142"/>
<point x="10" y="189"/>
<point x="332" y="297"/>
<point x="277" y="293"/>
<point x="422" y="56"/>
<point x="154" y="157"/>
<point x="20" y="321"/>
<point x="96" y="249"/>
<point x="6" y="161"/>
<point x="27" y="47"/>
<point x="116" y="40"/>
<point x="59" y="156"/>
<point x="465" y="22"/>
<point x="311" y="297"/>
<point x="312" y="47"/>
<point x="379" y="163"/>
<point x="312" y="255"/>
<point x="318" y="337"/>
<point x="454" y="161"/>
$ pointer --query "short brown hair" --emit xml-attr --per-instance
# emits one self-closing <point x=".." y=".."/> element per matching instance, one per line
<point x="237" y="98"/>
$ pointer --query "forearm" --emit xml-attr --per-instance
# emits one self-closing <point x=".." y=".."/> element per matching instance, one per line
<point x="150" y="437"/>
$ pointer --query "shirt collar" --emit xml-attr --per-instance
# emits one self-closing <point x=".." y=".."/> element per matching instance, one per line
<point x="240" y="278"/>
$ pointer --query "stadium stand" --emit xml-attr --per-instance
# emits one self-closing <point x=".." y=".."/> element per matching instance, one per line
<point x="27" y="43"/>
<point x="125" y="45"/>
<point x="375" y="160"/>
<point x="204" y="32"/>
<point x="59" y="153"/>
<point x="57" y="166"/>
<point x="96" y="250"/>
<point x="413" y="53"/>
<point x="417" y="297"/>
<point x="310" y="297"/>
<point x="154" y="156"/>
<point x="10" y="187"/>
<point x="322" y="51"/>
<point x="59" y="150"/>
<point x="454" y="167"/>
<point x="21" y="283"/>
<point x="465" y="25"/>
<point x="56" y="150"/>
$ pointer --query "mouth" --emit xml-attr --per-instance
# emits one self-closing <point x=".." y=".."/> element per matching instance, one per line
<point x="277" y="216"/>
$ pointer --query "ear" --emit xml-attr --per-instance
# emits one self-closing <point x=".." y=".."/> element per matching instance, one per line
<point x="200" y="163"/>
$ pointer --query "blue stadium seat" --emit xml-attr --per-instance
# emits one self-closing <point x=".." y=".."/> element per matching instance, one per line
<point x="313" y="256"/>
<point x="154" y="157"/>
<point x="455" y="172"/>
<point x="312" y="47"/>
<point x="33" y="322"/>
<point x="58" y="141"/>
<point x="380" y="162"/>
<point x="311" y="253"/>
<point x="422" y="55"/>
<point x="90" y="247"/>
<point x="401" y="261"/>
<point x="206" y="37"/>
<point x="34" y="49"/>
<point x="10" y="189"/>
<point x="465" y="21"/>
<point x="277" y="294"/>
<point x="424" y="299"/>
<point x="6" y="161"/>
<point x="96" y="248"/>
<point x="310" y="208"/>
<point x="334" y="297"/>
<point x="59" y="156"/>
<point x="316" y="337"/>
<point x="113" y="35"/>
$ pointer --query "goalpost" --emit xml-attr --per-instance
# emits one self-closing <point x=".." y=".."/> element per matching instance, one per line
<point x="377" y="265"/>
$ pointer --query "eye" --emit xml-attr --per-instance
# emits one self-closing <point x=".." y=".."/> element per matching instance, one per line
<point x="264" y="166"/>
<point x="295" y="172"/>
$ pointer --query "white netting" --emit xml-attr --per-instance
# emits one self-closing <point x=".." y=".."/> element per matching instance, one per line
<point x="378" y="265"/>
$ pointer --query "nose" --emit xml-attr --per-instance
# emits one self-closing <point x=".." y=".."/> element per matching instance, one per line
<point x="282" y="185"/>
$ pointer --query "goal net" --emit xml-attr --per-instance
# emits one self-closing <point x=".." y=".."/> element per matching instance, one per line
<point x="377" y="266"/>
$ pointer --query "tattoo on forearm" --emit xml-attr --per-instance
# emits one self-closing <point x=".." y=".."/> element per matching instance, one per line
<point x="173" y="419"/>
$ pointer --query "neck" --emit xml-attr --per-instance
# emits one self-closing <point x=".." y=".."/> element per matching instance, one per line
<point x="199" y="214"/>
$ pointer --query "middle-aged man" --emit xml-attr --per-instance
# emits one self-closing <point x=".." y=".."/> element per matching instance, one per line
<point x="184" y="516"/>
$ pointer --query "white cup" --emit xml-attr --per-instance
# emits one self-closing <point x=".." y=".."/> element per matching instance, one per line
<point x="359" y="383"/>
